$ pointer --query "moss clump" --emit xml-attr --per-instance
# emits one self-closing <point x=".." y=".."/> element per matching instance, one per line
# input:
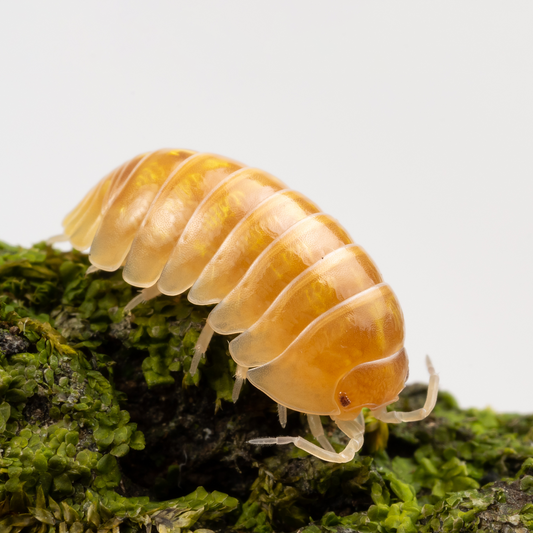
<point x="102" y="428"/>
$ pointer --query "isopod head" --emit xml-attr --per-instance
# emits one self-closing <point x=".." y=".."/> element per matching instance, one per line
<point x="374" y="384"/>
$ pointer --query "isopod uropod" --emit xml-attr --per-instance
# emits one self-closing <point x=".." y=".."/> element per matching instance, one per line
<point x="320" y="332"/>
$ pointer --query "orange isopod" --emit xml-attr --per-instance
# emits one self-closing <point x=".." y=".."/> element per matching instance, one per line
<point x="320" y="332"/>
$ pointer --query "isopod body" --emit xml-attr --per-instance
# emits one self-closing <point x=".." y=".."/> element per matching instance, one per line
<point x="320" y="332"/>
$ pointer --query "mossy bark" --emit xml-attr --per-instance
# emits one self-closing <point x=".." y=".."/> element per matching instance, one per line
<point x="102" y="428"/>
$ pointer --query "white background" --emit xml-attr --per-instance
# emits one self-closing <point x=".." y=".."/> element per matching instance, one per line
<point x="411" y="122"/>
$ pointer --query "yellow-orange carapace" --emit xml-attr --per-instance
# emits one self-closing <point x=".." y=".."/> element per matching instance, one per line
<point x="320" y="331"/>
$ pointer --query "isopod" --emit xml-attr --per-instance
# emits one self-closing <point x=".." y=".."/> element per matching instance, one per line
<point x="320" y="332"/>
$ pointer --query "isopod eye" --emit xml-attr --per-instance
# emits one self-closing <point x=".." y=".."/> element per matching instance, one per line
<point x="373" y="384"/>
<point x="345" y="401"/>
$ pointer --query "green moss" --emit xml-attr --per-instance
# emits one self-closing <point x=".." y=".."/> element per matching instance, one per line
<point x="102" y="428"/>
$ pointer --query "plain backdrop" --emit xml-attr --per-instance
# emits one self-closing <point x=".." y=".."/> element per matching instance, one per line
<point x="411" y="122"/>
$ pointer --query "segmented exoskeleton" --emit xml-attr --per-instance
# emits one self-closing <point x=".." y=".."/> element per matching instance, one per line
<point x="321" y="333"/>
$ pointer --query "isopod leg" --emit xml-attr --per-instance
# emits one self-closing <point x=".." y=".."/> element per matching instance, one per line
<point x="282" y="414"/>
<point x="353" y="429"/>
<point x="91" y="269"/>
<point x="57" y="238"/>
<point x="318" y="432"/>
<point x="343" y="457"/>
<point x="201" y="347"/>
<point x="143" y="296"/>
<point x="240" y="376"/>
<point x="395" y="417"/>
